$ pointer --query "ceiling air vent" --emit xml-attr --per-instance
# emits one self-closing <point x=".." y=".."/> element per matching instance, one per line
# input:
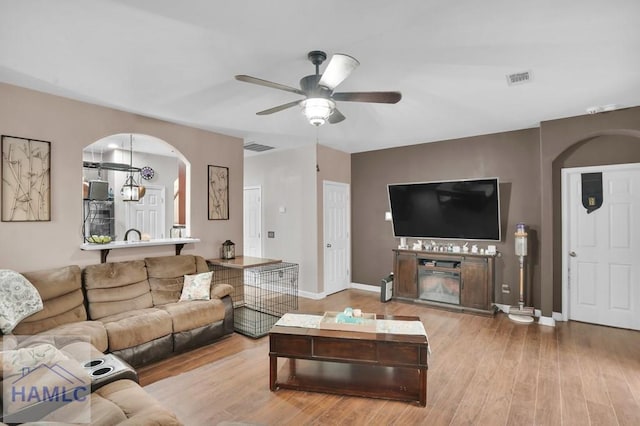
<point x="256" y="147"/>
<point x="519" y="78"/>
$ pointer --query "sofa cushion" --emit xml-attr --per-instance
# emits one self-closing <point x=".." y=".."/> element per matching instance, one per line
<point x="16" y="360"/>
<point x="166" y="275"/>
<point x="118" y="287"/>
<point x="132" y="328"/>
<point x="139" y="407"/>
<point x="193" y="314"/>
<point x="61" y="293"/>
<point x="93" y="332"/>
<point x="39" y="367"/>
<point x="122" y="402"/>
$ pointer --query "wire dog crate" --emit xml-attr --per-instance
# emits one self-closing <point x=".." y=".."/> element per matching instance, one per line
<point x="262" y="294"/>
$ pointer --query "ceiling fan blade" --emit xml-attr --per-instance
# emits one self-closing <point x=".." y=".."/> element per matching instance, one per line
<point x="278" y="108"/>
<point x="261" y="82"/>
<point x="339" y="68"/>
<point x="336" y="117"/>
<point x="376" y="97"/>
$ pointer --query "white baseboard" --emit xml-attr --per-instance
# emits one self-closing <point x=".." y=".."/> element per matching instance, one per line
<point x="310" y="295"/>
<point x="357" y="286"/>
<point x="503" y="308"/>
<point x="547" y="321"/>
<point x="366" y="287"/>
<point x="550" y="321"/>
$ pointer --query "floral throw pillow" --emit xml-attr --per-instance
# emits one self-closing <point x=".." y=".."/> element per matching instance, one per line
<point x="15" y="361"/>
<point x="18" y="299"/>
<point x="196" y="287"/>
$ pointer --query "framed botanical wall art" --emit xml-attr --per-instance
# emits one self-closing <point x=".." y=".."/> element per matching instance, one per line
<point x="218" y="184"/>
<point x="26" y="179"/>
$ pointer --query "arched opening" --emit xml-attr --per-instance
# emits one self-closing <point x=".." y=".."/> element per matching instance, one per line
<point x="607" y="147"/>
<point x="151" y="163"/>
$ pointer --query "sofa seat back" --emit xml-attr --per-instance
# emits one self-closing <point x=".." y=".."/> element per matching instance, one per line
<point x="115" y="288"/>
<point x="61" y="293"/>
<point x="166" y="275"/>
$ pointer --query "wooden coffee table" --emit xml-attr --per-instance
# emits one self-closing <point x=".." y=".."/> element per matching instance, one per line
<point x="377" y="365"/>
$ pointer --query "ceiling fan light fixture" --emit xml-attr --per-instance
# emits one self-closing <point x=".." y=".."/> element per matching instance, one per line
<point x="318" y="110"/>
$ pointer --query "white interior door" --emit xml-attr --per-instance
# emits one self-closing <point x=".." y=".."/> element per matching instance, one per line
<point x="252" y="221"/>
<point x="336" y="238"/>
<point x="602" y="248"/>
<point x="148" y="214"/>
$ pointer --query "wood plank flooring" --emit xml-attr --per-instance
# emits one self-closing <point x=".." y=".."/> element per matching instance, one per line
<point x="483" y="371"/>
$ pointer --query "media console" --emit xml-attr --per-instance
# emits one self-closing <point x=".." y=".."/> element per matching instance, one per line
<point x="462" y="282"/>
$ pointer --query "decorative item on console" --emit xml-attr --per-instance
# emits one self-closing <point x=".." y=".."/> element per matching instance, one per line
<point x="178" y="231"/>
<point x="403" y="243"/>
<point x="228" y="250"/>
<point x="418" y="245"/>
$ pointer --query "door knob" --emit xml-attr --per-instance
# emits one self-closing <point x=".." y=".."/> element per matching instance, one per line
<point x="328" y="245"/>
<point x="572" y="254"/>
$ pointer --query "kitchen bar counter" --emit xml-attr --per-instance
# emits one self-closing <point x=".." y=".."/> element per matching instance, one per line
<point x="105" y="248"/>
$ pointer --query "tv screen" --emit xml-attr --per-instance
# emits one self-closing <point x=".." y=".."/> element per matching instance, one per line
<point x="462" y="209"/>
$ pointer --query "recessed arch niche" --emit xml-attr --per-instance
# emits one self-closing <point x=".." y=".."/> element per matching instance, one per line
<point x="170" y="181"/>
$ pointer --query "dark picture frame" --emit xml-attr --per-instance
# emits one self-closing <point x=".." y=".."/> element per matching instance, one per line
<point x="218" y="190"/>
<point x="25" y="169"/>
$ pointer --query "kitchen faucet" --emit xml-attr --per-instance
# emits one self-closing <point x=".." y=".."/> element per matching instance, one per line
<point x="126" y="234"/>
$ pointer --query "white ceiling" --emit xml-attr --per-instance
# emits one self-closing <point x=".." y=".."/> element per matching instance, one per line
<point x="176" y="61"/>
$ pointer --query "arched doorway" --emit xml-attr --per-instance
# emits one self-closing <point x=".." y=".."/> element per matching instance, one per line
<point x="585" y="241"/>
<point x="152" y="163"/>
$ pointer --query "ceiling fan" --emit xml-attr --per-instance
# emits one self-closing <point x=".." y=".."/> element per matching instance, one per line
<point x="319" y="104"/>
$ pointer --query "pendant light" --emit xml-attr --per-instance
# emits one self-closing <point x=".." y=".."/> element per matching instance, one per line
<point x="130" y="190"/>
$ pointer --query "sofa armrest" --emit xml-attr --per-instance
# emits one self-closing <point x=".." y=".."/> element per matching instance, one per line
<point x="218" y="291"/>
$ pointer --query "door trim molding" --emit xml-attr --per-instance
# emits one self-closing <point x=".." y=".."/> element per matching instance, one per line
<point x="565" y="172"/>
<point x="347" y="186"/>
<point x="163" y="193"/>
<point x="259" y="188"/>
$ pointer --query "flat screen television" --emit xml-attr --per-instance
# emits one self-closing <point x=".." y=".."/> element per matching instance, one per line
<point x="461" y="209"/>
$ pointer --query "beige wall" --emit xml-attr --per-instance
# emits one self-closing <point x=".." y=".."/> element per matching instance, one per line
<point x="513" y="157"/>
<point x="287" y="179"/>
<point x="293" y="179"/>
<point x="72" y="125"/>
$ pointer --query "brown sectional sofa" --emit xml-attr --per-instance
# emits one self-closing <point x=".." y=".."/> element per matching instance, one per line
<point x="64" y="310"/>
<point x="118" y="402"/>
<point x="132" y="310"/>
<point x="137" y="301"/>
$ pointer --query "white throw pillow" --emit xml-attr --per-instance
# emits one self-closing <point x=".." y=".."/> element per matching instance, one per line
<point x="18" y="299"/>
<point x="196" y="287"/>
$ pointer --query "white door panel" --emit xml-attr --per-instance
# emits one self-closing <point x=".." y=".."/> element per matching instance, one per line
<point x="603" y="278"/>
<point x="147" y="215"/>
<point x="336" y="237"/>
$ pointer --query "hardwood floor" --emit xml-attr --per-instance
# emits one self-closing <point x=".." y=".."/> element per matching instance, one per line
<point x="483" y="371"/>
